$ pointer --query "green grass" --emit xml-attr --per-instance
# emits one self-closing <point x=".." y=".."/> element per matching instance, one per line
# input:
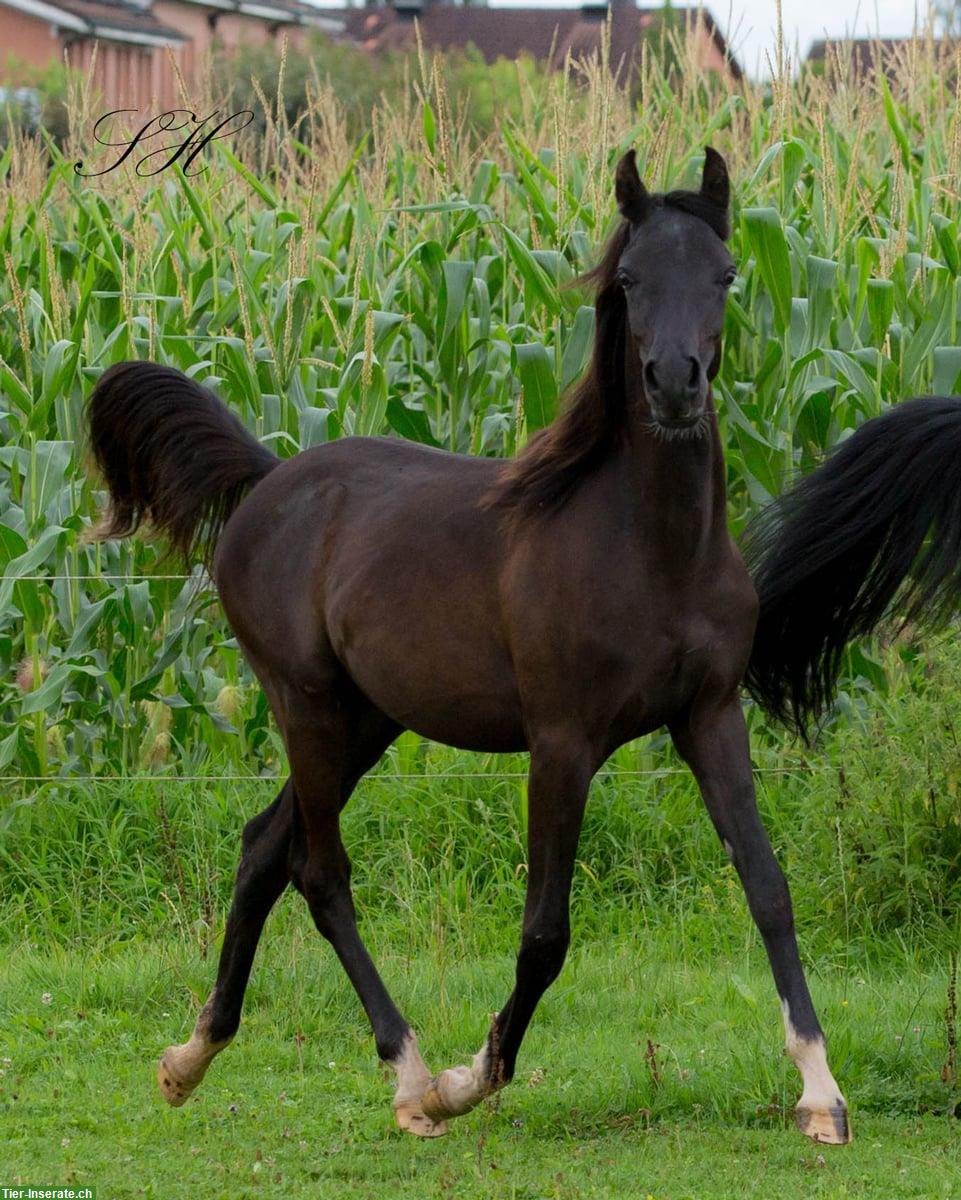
<point x="867" y="826"/>
<point x="113" y="900"/>
<point x="298" y="1106"/>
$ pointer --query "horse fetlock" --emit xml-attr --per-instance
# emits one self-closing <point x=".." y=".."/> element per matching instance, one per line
<point x="181" y="1068"/>
<point x="822" y="1112"/>
<point x="452" y="1093"/>
<point x="457" y="1090"/>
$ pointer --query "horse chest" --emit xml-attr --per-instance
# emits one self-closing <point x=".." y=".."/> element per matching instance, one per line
<point x="662" y="673"/>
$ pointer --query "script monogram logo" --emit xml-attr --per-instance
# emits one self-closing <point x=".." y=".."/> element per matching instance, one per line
<point x="161" y="157"/>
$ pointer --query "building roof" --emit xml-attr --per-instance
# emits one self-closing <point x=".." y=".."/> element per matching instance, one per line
<point x="111" y="20"/>
<point x="309" y="15"/>
<point x="279" y="12"/>
<point x="132" y="20"/>
<point x="546" y="34"/>
<point x="866" y="53"/>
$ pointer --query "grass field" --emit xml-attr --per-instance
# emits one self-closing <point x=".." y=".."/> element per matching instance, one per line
<point x="654" y="1065"/>
<point x="297" y="1106"/>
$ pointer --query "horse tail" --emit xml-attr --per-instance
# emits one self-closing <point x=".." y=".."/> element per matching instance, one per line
<point x="171" y="454"/>
<point x="878" y="522"/>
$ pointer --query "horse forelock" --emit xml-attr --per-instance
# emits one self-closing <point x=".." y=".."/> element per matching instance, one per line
<point x="696" y="204"/>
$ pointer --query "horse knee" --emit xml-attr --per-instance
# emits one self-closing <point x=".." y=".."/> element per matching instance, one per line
<point x="770" y="903"/>
<point x="542" y="954"/>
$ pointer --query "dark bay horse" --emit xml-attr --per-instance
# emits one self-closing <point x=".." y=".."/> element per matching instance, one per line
<point x="568" y="601"/>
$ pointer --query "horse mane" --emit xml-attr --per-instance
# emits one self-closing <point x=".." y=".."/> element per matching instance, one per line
<point x="545" y="474"/>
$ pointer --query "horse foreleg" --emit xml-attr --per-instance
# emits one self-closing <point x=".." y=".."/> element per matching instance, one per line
<point x="714" y="742"/>
<point x="560" y="774"/>
<point x="261" y="878"/>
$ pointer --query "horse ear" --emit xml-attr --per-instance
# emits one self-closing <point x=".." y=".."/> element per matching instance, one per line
<point x="632" y="196"/>
<point x="715" y="183"/>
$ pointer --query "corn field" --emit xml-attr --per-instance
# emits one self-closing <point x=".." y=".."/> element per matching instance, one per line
<point x="413" y="285"/>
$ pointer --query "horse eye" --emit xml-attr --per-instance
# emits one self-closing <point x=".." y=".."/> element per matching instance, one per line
<point x="728" y="277"/>
<point x="624" y="280"/>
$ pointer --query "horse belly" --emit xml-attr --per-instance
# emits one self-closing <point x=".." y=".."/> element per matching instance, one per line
<point x="431" y="657"/>
<point x="442" y="695"/>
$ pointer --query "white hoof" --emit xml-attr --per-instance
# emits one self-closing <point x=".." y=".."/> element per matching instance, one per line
<point x="412" y="1119"/>
<point x="828" y="1126"/>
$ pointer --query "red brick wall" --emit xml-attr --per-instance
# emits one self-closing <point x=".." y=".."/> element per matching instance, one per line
<point x="28" y="39"/>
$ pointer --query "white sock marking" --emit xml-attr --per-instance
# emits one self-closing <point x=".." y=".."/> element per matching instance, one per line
<point x="412" y="1073"/>
<point x="821" y="1090"/>
<point x="461" y="1088"/>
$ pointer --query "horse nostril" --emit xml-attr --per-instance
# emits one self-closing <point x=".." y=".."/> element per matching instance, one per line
<point x="695" y="376"/>
<point x="649" y="377"/>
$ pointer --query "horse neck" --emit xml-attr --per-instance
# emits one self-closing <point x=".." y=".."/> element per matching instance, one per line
<point x="676" y="485"/>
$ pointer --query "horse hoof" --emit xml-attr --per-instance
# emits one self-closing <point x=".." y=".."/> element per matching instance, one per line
<point x="828" y="1126"/>
<point x="412" y="1119"/>
<point x="174" y="1090"/>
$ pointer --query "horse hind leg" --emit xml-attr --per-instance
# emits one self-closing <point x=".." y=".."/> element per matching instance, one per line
<point x="715" y="746"/>
<point x="328" y="754"/>
<point x="262" y="876"/>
